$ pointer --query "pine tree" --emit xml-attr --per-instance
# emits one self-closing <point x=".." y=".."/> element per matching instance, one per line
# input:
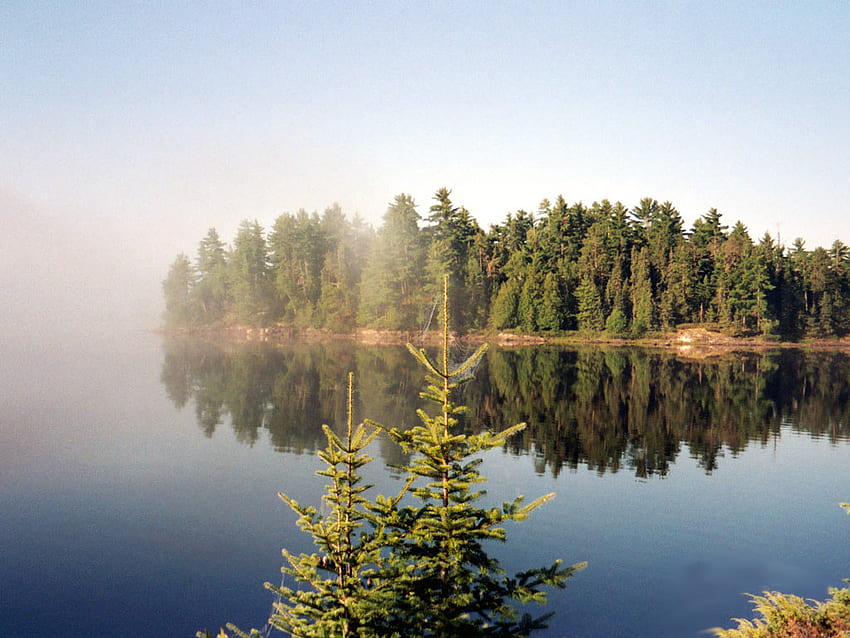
<point x="177" y="288"/>
<point x="336" y="307"/>
<point x="678" y="281"/>
<point x="452" y="237"/>
<point x="297" y="245"/>
<point x="641" y="287"/>
<point x="504" y="309"/>
<point x="617" y="324"/>
<point x="418" y="566"/>
<point x="249" y="273"/>
<point x="529" y="302"/>
<point x="604" y="258"/>
<point x="446" y="583"/>
<point x="211" y="291"/>
<point x="550" y="315"/>
<point x="338" y="602"/>
<point x="589" y="314"/>
<point x="337" y="594"/>
<point x="706" y="242"/>
<point x="391" y="294"/>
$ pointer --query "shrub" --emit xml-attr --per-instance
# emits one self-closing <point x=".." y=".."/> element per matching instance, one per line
<point x="617" y="324"/>
<point x="787" y="616"/>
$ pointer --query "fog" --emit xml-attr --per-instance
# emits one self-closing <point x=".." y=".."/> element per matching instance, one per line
<point x="129" y="130"/>
<point x="66" y="276"/>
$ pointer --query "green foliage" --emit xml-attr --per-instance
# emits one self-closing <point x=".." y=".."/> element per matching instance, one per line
<point x="211" y="291"/>
<point x="505" y="305"/>
<point x="452" y="251"/>
<point x="590" y="317"/>
<point x="340" y="598"/>
<point x="391" y="289"/>
<point x="572" y="267"/>
<point x="177" y="289"/>
<point x="676" y="289"/>
<point x="528" y="305"/>
<point x="297" y="246"/>
<point x="448" y="584"/>
<point x="416" y="562"/>
<point x="787" y="616"/>
<point x="248" y="268"/>
<point x="335" y="593"/>
<point x="642" y="299"/>
<point x="550" y="313"/>
<point x="617" y="324"/>
<point x="336" y="306"/>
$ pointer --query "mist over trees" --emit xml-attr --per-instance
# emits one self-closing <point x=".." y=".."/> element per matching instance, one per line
<point x="603" y="267"/>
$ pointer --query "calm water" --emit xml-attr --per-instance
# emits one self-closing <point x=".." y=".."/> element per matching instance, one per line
<point x="138" y="479"/>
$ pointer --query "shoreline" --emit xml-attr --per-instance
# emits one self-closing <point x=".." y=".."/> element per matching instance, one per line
<point x="281" y="335"/>
<point x="691" y="342"/>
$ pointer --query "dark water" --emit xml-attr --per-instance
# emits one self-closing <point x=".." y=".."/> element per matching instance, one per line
<point x="138" y="479"/>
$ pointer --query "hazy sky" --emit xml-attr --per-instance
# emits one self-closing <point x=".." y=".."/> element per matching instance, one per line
<point x="129" y="128"/>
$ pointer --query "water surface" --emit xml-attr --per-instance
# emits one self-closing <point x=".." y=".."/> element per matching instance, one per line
<point x="138" y="478"/>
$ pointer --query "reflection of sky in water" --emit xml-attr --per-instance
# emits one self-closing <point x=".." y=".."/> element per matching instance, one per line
<point x="670" y="555"/>
<point x="116" y="506"/>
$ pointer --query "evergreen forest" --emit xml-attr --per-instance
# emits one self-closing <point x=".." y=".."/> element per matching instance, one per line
<point x="564" y="267"/>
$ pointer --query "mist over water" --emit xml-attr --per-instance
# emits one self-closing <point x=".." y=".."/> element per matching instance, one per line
<point x="65" y="278"/>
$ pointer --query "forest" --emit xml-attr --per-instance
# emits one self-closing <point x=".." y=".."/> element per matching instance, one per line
<point x="603" y="268"/>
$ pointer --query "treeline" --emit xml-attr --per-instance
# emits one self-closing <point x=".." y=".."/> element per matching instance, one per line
<point x="564" y="267"/>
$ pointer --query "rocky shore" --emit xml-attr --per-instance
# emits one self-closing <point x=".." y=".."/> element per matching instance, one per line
<point x="697" y="342"/>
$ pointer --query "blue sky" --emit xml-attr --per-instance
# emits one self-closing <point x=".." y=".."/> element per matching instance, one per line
<point x="154" y="121"/>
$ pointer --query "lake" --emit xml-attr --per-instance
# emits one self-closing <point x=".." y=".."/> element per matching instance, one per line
<point x="139" y="477"/>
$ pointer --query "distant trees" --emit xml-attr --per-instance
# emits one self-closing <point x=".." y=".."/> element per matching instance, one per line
<point x="391" y="289"/>
<point x="178" y="289"/>
<point x="248" y="268"/>
<point x="453" y="249"/>
<point x="345" y="246"/>
<point x="213" y="286"/>
<point x="563" y="267"/>
<point x="297" y="250"/>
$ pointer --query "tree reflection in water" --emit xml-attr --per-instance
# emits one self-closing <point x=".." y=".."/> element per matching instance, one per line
<point x="608" y="409"/>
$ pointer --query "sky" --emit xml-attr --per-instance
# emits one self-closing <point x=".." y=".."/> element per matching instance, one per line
<point x="127" y="129"/>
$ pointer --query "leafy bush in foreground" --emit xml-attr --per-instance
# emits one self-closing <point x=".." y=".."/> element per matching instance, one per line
<point x="787" y="616"/>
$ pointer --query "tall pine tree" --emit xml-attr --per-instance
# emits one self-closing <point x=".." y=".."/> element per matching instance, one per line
<point x="447" y="583"/>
